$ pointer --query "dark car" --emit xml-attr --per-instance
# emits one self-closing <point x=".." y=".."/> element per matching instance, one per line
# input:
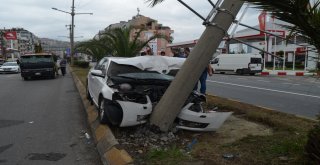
<point x="37" y="65"/>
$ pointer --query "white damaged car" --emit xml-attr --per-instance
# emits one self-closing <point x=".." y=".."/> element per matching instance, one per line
<point x="126" y="90"/>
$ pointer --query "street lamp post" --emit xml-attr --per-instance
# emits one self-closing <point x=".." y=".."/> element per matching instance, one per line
<point x="72" y="13"/>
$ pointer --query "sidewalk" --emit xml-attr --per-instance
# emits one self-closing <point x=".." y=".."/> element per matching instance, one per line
<point x="286" y="73"/>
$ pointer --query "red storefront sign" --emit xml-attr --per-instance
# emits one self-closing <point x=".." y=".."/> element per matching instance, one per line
<point x="10" y="35"/>
<point x="262" y="21"/>
<point x="301" y="49"/>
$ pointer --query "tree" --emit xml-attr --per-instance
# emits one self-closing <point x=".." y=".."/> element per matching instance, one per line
<point x="120" y="42"/>
<point x="171" y="103"/>
<point x="95" y="48"/>
<point x="116" y="42"/>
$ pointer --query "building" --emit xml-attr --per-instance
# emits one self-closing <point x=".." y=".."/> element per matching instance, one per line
<point x="296" y="52"/>
<point x="22" y="41"/>
<point x="152" y="27"/>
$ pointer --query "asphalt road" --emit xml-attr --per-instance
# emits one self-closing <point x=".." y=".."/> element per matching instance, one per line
<point x="43" y="122"/>
<point x="289" y="94"/>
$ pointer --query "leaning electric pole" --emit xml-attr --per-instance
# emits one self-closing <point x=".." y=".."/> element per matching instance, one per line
<point x="217" y="25"/>
<point x="72" y="13"/>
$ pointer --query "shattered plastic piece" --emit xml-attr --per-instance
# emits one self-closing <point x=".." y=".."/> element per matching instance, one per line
<point x="228" y="156"/>
<point x="87" y="137"/>
<point x="190" y="145"/>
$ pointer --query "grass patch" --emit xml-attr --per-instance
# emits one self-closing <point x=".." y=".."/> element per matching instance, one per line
<point x="81" y="73"/>
<point x="169" y="156"/>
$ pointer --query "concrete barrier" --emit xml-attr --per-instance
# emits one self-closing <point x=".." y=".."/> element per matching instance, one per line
<point x="107" y="145"/>
<point x="299" y="73"/>
<point x="265" y="73"/>
<point x="282" y="73"/>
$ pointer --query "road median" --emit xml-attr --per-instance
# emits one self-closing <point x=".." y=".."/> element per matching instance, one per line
<point x="106" y="143"/>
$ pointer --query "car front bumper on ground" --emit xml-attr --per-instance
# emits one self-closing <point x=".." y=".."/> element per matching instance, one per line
<point x="198" y="121"/>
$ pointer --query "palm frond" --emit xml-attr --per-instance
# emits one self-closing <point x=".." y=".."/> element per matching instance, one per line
<point x="153" y="2"/>
<point x="304" y="17"/>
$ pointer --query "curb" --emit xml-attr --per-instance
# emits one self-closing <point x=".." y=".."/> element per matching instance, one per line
<point x="106" y="144"/>
<point x="284" y="73"/>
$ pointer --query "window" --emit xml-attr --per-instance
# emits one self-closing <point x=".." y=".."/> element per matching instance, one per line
<point x="255" y="61"/>
<point x="101" y="64"/>
<point x="215" y="61"/>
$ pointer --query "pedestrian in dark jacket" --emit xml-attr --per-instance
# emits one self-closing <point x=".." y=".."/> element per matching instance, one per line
<point x="63" y="65"/>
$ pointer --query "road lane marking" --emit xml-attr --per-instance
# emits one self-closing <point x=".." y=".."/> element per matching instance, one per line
<point x="263" y="80"/>
<point x="290" y="84"/>
<point x="266" y="89"/>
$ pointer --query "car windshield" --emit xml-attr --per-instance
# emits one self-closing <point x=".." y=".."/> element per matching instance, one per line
<point x="147" y="76"/>
<point x="36" y="58"/>
<point x="10" y="64"/>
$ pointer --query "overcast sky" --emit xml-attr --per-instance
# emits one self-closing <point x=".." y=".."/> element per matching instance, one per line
<point x="37" y="16"/>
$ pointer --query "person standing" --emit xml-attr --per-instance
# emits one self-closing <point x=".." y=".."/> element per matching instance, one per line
<point x="162" y="53"/>
<point x="203" y="79"/>
<point x="182" y="53"/>
<point x="63" y="65"/>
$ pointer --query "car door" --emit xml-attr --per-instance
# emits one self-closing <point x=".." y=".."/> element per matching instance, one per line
<point x="94" y="80"/>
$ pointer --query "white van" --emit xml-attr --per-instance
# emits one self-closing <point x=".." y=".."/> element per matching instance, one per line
<point x="237" y="63"/>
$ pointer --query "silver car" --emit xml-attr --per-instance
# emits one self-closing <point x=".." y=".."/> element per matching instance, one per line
<point x="10" y="67"/>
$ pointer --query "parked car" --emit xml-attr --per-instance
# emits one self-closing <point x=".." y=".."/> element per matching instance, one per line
<point x="10" y="67"/>
<point x="125" y="91"/>
<point x="37" y="65"/>
<point x="237" y="63"/>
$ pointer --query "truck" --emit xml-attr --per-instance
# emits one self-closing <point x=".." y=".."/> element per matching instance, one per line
<point x="37" y="65"/>
<point x="237" y="63"/>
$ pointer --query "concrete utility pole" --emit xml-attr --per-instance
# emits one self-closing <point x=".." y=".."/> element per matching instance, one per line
<point x="72" y="13"/>
<point x="72" y="33"/>
<point x="171" y="103"/>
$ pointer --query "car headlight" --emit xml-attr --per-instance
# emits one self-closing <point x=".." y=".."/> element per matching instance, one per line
<point x="125" y="87"/>
<point x="130" y="96"/>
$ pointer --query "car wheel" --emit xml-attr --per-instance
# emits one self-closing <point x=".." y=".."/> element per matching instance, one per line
<point x="103" y="118"/>
<point x="25" y="78"/>
<point x="239" y="71"/>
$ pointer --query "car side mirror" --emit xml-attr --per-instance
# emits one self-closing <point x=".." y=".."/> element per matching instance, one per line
<point x="18" y="62"/>
<point x="97" y="73"/>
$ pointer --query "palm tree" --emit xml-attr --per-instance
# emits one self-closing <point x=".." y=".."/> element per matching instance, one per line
<point x="117" y="42"/>
<point x="120" y="42"/>
<point x="95" y="48"/>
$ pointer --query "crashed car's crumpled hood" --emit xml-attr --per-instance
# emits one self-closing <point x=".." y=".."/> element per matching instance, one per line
<point x="159" y="64"/>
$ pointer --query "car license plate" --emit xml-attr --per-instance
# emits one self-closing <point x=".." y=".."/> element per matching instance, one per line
<point x="38" y="74"/>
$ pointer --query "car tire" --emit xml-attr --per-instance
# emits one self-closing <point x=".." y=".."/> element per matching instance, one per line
<point x="239" y="71"/>
<point x="25" y="78"/>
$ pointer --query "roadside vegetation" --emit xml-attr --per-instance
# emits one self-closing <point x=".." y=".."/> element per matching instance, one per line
<point x="116" y="42"/>
<point x="286" y="140"/>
